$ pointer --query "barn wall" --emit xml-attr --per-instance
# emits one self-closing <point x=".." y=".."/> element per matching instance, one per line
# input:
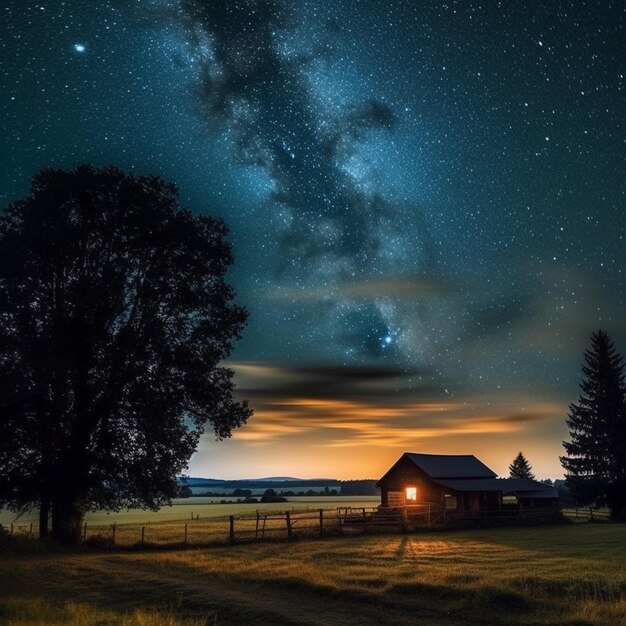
<point x="406" y="474"/>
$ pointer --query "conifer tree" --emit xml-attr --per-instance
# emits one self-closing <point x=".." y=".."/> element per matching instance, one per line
<point x="521" y="468"/>
<point x="595" y="464"/>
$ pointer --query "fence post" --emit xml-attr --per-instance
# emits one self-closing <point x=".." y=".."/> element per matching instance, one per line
<point x="143" y="533"/>
<point x="591" y="512"/>
<point x="231" y="534"/>
<point x="321" y="522"/>
<point x="11" y="527"/>
<point x="30" y="532"/>
<point x="288" y="518"/>
<point x="84" y="532"/>
<point x="185" y="533"/>
<point x="113" y="533"/>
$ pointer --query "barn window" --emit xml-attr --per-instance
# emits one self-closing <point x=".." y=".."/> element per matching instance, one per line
<point x="411" y="494"/>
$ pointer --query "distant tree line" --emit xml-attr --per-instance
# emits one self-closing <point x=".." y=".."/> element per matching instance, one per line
<point x="359" y="488"/>
<point x="345" y="487"/>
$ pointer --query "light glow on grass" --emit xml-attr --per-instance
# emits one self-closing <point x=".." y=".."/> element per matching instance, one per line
<point x="551" y="574"/>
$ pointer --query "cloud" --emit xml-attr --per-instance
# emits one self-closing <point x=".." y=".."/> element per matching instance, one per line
<point x="271" y="384"/>
<point x="394" y="287"/>
<point x="384" y="407"/>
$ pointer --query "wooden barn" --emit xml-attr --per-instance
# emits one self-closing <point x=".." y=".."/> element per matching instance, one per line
<point x="459" y="483"/>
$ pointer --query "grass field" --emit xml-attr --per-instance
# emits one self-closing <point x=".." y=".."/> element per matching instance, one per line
<point x="182" y="509"/>
<point x="572" y="575"/>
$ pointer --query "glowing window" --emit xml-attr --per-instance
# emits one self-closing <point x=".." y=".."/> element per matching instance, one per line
<point x="411" y="493"/>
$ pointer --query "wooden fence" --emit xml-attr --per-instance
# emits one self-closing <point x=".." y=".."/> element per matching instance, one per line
<point x="587" y="513"/>
<point x="427" y="516"/>
<point x="282" y="525"/>
<point x="296" y="524"/>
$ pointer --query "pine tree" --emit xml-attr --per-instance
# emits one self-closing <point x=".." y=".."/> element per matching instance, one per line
<point x="595" y="464"/>
<point x="520" y="468"/>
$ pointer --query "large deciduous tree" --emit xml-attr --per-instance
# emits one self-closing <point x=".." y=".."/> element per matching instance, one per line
<point x="114" y="318"/>
<point x="595" y="464"/>
<point x="521" y="468"/>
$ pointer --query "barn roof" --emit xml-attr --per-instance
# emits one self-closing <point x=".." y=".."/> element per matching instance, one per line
<point x="445" y="466"/>
<point x="473" y="484"/>
<point x="550" y="492"/>
<point x="523" y="487"/>
<point x="451" y="465"/>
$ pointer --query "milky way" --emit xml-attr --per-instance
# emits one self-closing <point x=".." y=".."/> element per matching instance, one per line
<point x="333" y="229"/>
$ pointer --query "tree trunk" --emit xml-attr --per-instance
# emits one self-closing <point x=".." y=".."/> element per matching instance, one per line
<point x="44" y="512"/>
<point x="67" y="521"/>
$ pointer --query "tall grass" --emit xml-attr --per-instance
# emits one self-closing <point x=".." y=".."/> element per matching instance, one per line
<point x="566" y="575"/>
<point x="37" y="612"/>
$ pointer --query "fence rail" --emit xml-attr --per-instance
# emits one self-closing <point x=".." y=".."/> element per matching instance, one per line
<point x="587" y="514"/>
<point x="295" y="524"/>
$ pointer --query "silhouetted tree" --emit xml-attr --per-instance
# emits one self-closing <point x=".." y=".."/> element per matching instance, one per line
<point x="595" y="464"/>
<point x="520" y="468"/>
<point x="269" y="495"/>
<point x="114" y="317"/>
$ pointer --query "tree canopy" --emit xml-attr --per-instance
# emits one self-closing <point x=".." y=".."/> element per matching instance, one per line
<point x="595" y="464"/>
<point x="521" y="468"/>
<point x="115" y="315"/>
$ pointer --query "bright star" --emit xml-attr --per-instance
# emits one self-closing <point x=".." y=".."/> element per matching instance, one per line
<point x="387" y="340"/>
<point x="79" y="47"/>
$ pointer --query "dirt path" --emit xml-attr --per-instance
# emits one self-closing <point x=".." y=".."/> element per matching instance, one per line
<point x="119" y="582"/>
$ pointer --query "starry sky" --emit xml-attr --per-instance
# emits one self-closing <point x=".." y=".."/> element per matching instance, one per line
<point x="425" y="199"/>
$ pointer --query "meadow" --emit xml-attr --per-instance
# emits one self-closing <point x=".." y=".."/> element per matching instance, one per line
<point x="566" y="575"/>
<point x="212" y="507"/>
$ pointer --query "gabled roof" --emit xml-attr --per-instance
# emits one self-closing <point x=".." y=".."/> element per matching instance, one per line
<point x="446" y="466"/>
<point x="451" y="465"/>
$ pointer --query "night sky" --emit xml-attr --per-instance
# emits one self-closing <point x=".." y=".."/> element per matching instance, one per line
<point x="425" y="199"/>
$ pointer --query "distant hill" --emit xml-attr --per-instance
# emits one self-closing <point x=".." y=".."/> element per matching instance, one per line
<point x="258" y="483"/>
<point x="216" y="485"/>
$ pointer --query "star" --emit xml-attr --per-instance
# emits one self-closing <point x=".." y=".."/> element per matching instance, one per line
<point x="393" y="213"/>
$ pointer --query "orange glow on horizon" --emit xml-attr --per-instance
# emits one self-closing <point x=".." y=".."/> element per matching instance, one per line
<point x="343" y="437"/>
